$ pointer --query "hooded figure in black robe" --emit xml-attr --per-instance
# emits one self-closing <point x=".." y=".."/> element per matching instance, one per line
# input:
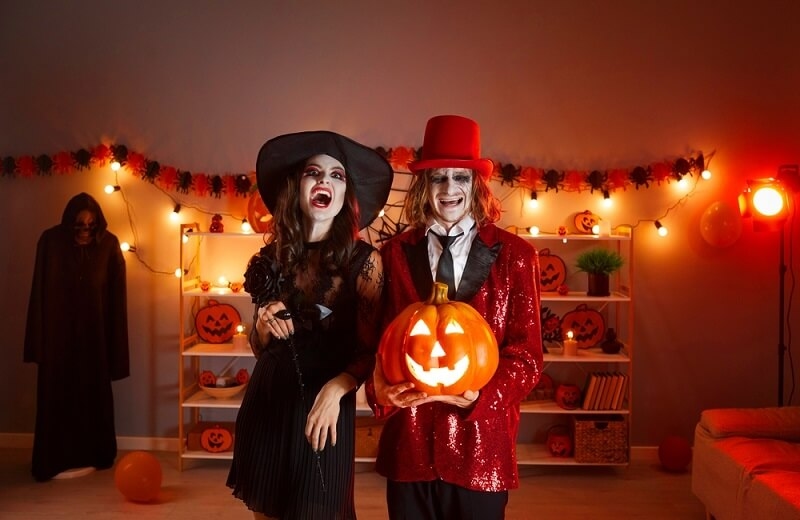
<point x="77" y="334"/>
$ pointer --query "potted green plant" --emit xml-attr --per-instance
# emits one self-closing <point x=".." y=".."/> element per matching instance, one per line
<point x="599" y="264"/>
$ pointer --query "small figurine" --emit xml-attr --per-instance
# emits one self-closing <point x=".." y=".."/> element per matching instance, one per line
<point x="216" y="224"/>
<point x="611" y="345"/>
<point x="563" y="290"/>
<point x="562" y="231"/>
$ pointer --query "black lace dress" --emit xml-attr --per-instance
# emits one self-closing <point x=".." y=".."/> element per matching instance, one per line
<point x="274" y="471"/>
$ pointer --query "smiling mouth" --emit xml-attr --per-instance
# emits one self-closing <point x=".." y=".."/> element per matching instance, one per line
<point x="451" y="202"/>
<point x="434" y="377"/>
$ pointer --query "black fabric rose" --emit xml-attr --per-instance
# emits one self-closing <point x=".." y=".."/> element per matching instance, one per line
<point x="263" y="279"/>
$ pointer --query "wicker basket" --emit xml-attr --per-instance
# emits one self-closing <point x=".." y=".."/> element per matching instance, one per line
<point x="601" y="439"/>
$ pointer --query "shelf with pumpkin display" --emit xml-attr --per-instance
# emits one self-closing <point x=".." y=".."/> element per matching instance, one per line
<point x="601" y="328"/>
<point x="212" y="333"/>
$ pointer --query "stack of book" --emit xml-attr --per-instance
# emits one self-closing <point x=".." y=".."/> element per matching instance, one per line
<point x="605" y="391"/>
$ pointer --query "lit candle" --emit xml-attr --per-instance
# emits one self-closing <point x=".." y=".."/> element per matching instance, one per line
<point x="570" y="345"/>
<point x="240" y="339"/>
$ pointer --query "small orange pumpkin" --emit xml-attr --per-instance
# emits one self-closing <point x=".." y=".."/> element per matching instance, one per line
<point x="552" y="269"/>
<point x="587" y="325"/>
<point x="216" y="439"/>
<point x="585" y="221"/>
<point x="207" y="378"/>
<point x="443" y="347"/>
<point x="216" y="322"/>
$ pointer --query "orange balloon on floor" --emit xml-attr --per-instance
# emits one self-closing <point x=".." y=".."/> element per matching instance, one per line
<point x="138" y="476"/>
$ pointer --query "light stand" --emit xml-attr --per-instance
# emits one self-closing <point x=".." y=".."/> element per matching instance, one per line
<point x="767" y="202"/>
<point x="781" y="314"/>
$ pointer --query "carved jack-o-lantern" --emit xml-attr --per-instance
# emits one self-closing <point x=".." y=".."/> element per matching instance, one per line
<point x="559" y="441"/>
<point x="553" y="270"/>
<point x="587" y="325"/>
<point x="585" y="221"/>
<point x="216" y="323"/>
<point x="258" y="215"/>
<point x="216" y="439"/>
<point x="443" y="347"/>
<point x="568" y="396"/>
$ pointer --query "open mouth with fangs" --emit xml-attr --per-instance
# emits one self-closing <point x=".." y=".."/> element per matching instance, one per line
<point x="321" y="198"/>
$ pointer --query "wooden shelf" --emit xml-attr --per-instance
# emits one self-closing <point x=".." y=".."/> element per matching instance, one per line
<point x="550" y="407"/>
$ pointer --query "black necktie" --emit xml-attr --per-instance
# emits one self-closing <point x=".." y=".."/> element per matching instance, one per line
<point x="444" y="271"/>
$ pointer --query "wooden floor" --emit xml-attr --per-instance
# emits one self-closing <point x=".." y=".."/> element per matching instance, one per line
<point x="639" y="491"/>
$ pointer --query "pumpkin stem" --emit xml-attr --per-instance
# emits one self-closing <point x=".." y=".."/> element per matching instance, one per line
<point x="438" y="294"/>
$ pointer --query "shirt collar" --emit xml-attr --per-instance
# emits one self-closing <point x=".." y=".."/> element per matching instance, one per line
<point x="462" y="226"/>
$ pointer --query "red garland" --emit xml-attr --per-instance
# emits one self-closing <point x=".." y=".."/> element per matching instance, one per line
<point x="238" y="184"/>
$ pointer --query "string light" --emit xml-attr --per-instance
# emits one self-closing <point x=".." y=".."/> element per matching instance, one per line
<point x="181" y="272"/>
<point x="534" y="230"/>
<point x="111" y="188"/>
<point x="246" y="228"/>
<point x="115" y="165"/>
<point x="706" y="175"/>
<point x="174" y="216"/>
<point x="125" y="246"/>
<point x="607" y="199"/>
<point x="533" y="202"/>
<point x="662" y="231"/>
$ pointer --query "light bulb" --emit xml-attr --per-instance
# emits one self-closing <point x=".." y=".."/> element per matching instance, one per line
<point x="246" y="226"/>
<point x="178" y="272"/>
<point x="110" y="188"/>
<point x="533" y="202"/>
<point x="125" y="246"/>
<point x="706" y="175"/>
<point x="662" y="231"/>
<point x="115" y="165"/>
<point x="534" y="230"/>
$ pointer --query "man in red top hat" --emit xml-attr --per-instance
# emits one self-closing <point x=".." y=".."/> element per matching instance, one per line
<point x="448" y="457"/>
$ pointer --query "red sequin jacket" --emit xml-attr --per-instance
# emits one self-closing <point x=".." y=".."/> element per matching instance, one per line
<point x="473" y="448"/>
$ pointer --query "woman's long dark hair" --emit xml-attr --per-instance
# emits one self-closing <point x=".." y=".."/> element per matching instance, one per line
<point x="288" y="228"/>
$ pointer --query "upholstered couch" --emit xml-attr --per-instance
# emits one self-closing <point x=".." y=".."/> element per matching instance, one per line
<point x="746" y="463"/>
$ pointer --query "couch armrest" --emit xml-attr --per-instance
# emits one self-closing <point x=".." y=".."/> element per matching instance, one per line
<point x="771" y="423"/>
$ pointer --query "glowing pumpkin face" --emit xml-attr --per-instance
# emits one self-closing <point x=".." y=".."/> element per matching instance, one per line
<point x="553" y="270"/>
<point x="587" y="325"/>
<point x="216" y="439"/>
<point x="443" y="347"/>
<point x="216" y="323"/>
<point x="568" y="396"/>
<point x="559" y="442"/>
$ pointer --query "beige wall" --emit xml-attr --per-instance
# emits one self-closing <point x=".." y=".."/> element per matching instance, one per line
<point x="577" y="84"/>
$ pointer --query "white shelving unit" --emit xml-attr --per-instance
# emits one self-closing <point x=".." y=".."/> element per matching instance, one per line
<point x="538" y="416"/>
<point x="223" y="255"/>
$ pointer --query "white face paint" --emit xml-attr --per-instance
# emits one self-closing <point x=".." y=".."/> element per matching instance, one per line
<point x="85" y="226"/>
<point x="323" y="184"/>
<point x="450" y="194"/>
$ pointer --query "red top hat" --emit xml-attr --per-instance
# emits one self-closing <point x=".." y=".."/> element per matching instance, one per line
<point x="452" y="142"/>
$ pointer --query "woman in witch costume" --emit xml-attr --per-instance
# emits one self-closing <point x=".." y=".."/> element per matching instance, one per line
<point x="317" y="291"/>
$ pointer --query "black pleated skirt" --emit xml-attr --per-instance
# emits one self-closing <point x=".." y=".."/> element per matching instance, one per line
<point x="274" y="471"/>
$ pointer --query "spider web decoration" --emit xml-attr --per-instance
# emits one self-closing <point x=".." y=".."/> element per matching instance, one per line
<point x="391" y="222"/>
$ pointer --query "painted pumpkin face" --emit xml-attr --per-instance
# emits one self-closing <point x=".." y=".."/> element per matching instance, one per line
<point x="559" y="442"/>
<point x="587" y="325"/>
<point x="568" y="396"/>
<point x="216" y="439"/>
<point x="553" y="270"/>
<point x="585" y="221"/>
<point x="216" y="323"/>
<point x="443" y="347"/>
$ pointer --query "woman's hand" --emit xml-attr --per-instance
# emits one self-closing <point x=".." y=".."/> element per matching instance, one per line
<point x="269" y="322"/>
<point x="402" y="395"/>
<point x="322" y="419"/>
<point x="465" y="400"/>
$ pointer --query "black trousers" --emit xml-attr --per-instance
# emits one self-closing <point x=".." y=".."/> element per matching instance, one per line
<point x="439" y="500"/>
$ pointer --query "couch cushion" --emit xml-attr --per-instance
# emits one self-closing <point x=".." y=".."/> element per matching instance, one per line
<point x="757" y="456"/>
<point x="773" y="495"/>
<point x="776" y="423"/>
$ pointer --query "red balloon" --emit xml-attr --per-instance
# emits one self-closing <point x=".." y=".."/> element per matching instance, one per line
<point x="675" y="453"/>
<point x="138" y="476"/>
